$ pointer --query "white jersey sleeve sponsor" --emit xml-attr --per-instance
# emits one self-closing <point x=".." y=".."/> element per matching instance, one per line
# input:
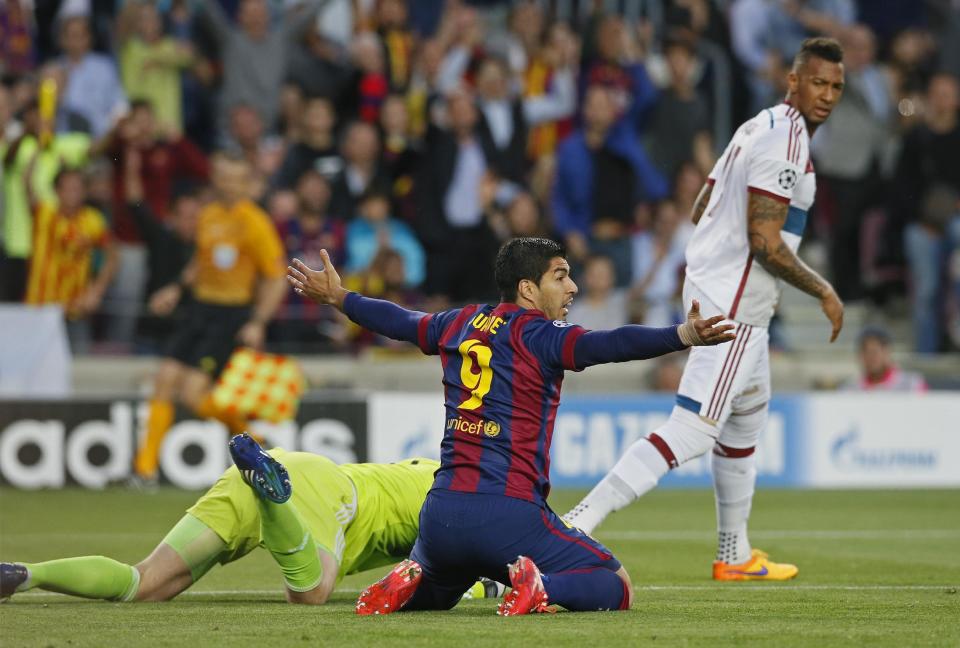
<point x="768" y="155"/>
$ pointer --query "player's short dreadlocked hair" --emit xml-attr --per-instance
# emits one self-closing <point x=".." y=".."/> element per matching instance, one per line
<point x="828" y="49"/>
<point x="523" y="258"/>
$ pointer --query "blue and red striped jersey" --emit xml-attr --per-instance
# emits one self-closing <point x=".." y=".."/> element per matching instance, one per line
<point x="502" y="370"/>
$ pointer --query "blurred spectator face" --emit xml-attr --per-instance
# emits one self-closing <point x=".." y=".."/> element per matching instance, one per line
<point x="30" y="118"/>
<point x="680" y="62"/>
<point x="319" y="116"/>
<point x="71" y="191"/>
<point x="599" y="111"/>
<point x="523" y="216"/>
<point x="253" y="17"/>
<point x="562" y="46"/>
<point x="527" y="22"/>
<point x="392" y="13"/>
<point x="815" y="88"/>
<point x="143" y="125"/>
<point x="492" y="79"/>
<point x="75" y="37"/>
<point x="665" y="219"/>
<point x="430" y="58"/>
<point x="374" y="208"/>
<point x="367" y="53"/>
<point x="911" y="46"/>
<point x="688" y="183"/>
<point x="462" y="112"/>
<point x="875" y="357"/>
<point x="149" y="26"/>
<point x="943" y="96"/>
<point x="283" y="205"/>
<point x="246" y="126"/>
<point x="99" y="179"/>
<point x="184" y="215"/>
<point x="859" y="47"/>
<point x="468" y="25"/>
<point x="394" y="117"/>
<point x="362" y="144"/>
<point x="599" y="276"/>
<point x="611" y="33"/>
<point x="393" y="270"/>
<point x="292" y="105"/>
<point x="232" y="178"/>
<point x="313" y="193"/>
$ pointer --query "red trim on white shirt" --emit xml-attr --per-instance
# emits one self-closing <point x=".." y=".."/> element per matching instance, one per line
<point x="769" y="194"/>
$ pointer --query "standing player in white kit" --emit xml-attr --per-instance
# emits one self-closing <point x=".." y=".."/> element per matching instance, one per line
<point x="750" y="217"/>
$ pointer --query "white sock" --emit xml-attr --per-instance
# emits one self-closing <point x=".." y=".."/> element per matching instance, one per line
<point x="734" y="481"/>
<point x="636" y="473"/>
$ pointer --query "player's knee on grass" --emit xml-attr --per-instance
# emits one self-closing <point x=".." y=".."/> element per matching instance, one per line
<point x="321" y="593"/>
<point x="625" y="577"/>
<point x="163" y="575"/>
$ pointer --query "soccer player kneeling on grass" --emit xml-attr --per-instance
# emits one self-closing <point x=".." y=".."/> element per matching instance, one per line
<point x="318" y="520"/>
<point x="502" y="370"/>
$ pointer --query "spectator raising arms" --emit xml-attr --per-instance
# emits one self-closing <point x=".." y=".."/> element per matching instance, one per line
<point x="67" y="233"/>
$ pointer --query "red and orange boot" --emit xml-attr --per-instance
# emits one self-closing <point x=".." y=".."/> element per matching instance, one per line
<point x="527" y="594"/>
<point x="391" y="592"/>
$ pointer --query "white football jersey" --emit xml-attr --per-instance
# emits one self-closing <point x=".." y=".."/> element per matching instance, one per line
<point x="769" y="155"/>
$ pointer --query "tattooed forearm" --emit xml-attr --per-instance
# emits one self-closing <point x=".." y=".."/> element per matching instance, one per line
<point x="703" y="199"/>
<point x="780" y="261"/>
<point x="765" y="218"/>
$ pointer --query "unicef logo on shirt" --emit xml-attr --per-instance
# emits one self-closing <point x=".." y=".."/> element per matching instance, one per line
<point x="561" y="323"/>
<point x="787" y="179"/>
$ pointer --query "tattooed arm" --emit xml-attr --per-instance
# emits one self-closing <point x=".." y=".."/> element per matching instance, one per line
<point x="700" y="204"/>
<point x="765" y="219"/>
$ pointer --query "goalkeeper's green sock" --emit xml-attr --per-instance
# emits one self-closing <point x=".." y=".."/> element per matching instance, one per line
<point x="93" y="577"/>
<point x="291" y="545"/>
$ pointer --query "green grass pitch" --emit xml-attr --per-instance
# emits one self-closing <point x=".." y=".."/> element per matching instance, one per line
<point x="876" y="569"/>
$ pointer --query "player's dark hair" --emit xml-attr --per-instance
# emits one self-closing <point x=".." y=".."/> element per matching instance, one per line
<point x="523" y="258"/>
<point x="828" y="49"/>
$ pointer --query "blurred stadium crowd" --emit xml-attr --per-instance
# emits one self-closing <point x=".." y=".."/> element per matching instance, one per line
<point x="411" y="138"/>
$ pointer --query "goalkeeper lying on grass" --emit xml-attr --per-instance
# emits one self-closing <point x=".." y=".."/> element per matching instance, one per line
<point x="318" y="520"/>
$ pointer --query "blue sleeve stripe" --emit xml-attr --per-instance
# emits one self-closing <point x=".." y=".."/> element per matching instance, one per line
<point x="796" y="221"/>
<point x="688" y="403"/>
<point x="771" y="116"/>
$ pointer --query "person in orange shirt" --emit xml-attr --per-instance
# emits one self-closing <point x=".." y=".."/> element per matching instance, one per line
<point x="66" y="234"/>
<point x="236" y="280"/>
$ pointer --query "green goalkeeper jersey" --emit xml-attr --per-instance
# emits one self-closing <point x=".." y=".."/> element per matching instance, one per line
<point x="388" y="511"/>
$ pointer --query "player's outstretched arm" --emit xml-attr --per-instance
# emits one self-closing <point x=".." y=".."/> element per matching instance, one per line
<point x="323" y="286"/>
<point x="765" y="219"/>
<point x="634" y="342"/>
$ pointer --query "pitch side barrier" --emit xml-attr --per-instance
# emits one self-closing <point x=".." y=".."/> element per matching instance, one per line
<point x="833" y="440"/>
<point x="91" y="442"/>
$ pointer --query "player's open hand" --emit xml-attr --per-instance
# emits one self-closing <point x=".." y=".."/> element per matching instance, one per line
<point x="697" y="331"/>
<point x="322" y="285"/>
<point x="833" y="309"/>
